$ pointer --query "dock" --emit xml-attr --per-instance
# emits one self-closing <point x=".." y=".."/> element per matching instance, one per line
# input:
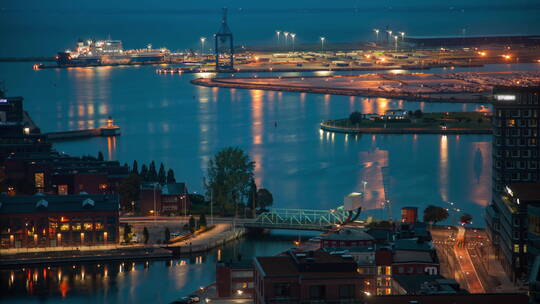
<point x="109" y="130"/>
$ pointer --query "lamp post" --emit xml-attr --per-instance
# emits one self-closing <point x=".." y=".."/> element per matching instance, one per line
<point x="203" y="39"/>
<point x="286" y="34"/>
<point x="402" y="36"/>
<point x="376" y="35"/>
<point x="389" y="32"/>
<point x="278" y="33"/>
<point x="322" y="44"/>
<point x="293" y="35"/>
<point x="395" y="45"/>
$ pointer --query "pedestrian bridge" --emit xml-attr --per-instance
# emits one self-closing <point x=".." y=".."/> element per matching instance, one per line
<point x="303" y="219"/>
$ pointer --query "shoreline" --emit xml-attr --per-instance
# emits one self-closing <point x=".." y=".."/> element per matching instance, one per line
<point x="213" y="82"/>
<point x="333" y="126"/>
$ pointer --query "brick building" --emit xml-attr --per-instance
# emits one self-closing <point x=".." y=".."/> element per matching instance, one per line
<point x="296" y="277"/>
<point x="234" y="279"/>
<point x="168" y="199"/>
<point x="58" y="220"/>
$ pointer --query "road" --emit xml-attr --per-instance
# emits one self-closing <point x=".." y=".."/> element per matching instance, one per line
<point x="466" y="255"/>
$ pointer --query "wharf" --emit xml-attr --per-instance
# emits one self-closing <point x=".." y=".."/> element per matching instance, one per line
<point x="108" y="130"/>
<point x="84" y="254"/>
<point x="103" y="131"/>
<point x="327" y="126"/>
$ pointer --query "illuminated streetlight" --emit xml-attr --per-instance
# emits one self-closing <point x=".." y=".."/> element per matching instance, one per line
<point x="293" y="35"/>
<point x="277" y="35"/>
<point x="203" y="39"/>
<point x="395" y="46"/>
<point x="322" y="43"/>
<point x="402" y="36"/>
<point x="286" y="34"/>
<point x="376" y="34"/>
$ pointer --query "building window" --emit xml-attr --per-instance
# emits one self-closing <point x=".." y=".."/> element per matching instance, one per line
<point x="88" y="226"/>
<point x="511" y="123"/>
<point x="39" y="180"/>
<point x="282" y="289"/>
<point x="346" y="291"/>
<point x="516" y="248"/>
<point x="388" y="270"/>
<point x="317" y="292"/>
<point x="400" y="269"/>
<point x="62" y="189"/>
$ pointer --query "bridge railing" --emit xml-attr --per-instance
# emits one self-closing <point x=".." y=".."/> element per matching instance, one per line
<point x="301" y="217"/>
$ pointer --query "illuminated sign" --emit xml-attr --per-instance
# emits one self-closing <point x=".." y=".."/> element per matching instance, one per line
<point x="505" y="97"/>
<point x="3" y="100"/>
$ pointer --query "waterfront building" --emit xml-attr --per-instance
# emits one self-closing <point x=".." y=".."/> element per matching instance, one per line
<point x="347" y="237"/>
<point x="515" y="160"/>
<point x="234" y="279"/>
<point x="168" y="199"/>
<point x="297" y="277"/>
<point x="58" y="220"/>
<point x="56" y="173"/>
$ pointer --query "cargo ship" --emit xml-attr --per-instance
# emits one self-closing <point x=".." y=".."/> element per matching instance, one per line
<point x="106" y="53"/>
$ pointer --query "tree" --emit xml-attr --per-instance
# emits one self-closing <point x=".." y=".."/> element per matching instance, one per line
<point x="100" y="156"/>
<point x="152" y="173"/>
<point x="170" y="177"/>
<point x="264" y="198"/>
<point x="135" y="167"/>
<point x="435" y="214"/>
<point x="167" y="238"/>
<point x="127" y="233"/>
<point x="162" y="178"/>
<point x="355" y="117"/>
<point x="252" y="197"/>
<point x="146" y="235"/>
<point x="191" y="224"/>
<point x="202" y="221"/>
<point x="418" y="113"/>
<point x="465" y="219"/>
<point x="144" y="173"/>
<point x="129" y="190"/>
<point x="228" y="177"/>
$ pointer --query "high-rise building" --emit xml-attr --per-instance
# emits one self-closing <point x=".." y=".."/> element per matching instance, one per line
<point x="515" y="164"/>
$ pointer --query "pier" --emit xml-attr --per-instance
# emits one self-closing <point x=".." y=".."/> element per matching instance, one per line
<point x="110" y="129"/>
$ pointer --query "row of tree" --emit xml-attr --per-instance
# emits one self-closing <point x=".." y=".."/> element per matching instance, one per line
<point x="150" y="174"/>
<point x="434" y="214"/>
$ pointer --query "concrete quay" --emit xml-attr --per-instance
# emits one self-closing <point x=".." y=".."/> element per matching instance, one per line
<point x="327" y="126"/>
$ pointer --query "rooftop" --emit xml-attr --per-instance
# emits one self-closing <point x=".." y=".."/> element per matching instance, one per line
<point x="57" y="203"/>
<point x="349" y="234"/>
<point x="310" y="263"/>
<point x="427" y="284"/>
<point x="526" y="192"/>
<point x="404" y="256"/>
<point x="412" y="245"/>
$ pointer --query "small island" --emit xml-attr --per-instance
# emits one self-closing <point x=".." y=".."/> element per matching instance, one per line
<point x="412" y="122"/>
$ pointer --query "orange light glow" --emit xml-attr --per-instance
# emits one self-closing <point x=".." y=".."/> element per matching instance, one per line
<point x="507" y="56"/>
<point x="482" y="53"/>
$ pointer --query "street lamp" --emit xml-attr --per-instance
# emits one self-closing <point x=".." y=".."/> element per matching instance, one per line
<point x="277" y="34"/>
<point x="293" y="35"/>
<point x="376" y="35"/>
<point x="388" y="36"/>
<point x="395" y="46"/>
<point x="322" y="43"/>
<point x="203" y="39"/>
<point x="286" y="34"/>
<point x="402" y="36"/>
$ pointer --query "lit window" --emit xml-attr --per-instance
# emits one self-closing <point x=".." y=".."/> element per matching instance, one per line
<point x="76" y="226"/>
<point x="388" y="270"/>
<point x="516" y="248"/>
<point x="524" y="248"/>
<point x="64" y="227"/>
<point x="62" y="189"/>
<point x="88" y="226"/>
<point x="39" y="180"/>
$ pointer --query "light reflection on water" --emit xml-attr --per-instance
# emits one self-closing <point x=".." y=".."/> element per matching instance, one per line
<point x="167" y="118"/>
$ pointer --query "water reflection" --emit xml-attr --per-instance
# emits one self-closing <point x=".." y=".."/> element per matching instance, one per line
<point x="443" y="168"/>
